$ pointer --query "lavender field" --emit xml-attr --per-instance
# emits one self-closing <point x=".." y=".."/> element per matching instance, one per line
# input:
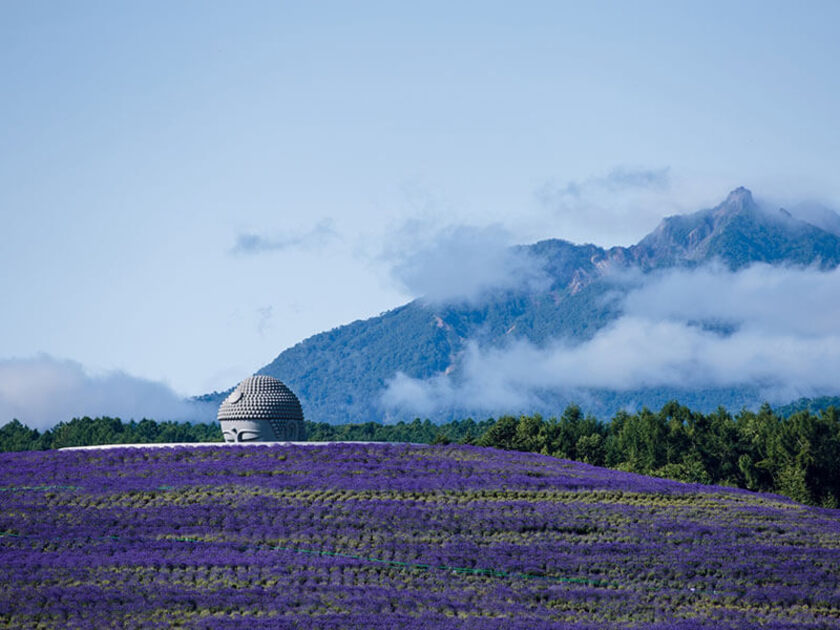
<point x="397" y="536"/>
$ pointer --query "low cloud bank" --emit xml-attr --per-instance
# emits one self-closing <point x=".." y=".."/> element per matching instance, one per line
<point x="761" y="298"/>
<point x="43" y="391"/>
<point x="461" y="264"/>
<point x="774" y="328"/>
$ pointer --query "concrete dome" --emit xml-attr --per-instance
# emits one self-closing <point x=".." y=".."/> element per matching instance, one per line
<point x="261" y="408"/>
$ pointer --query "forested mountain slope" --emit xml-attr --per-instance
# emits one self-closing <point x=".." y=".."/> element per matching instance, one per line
<point x="340" y="375"/>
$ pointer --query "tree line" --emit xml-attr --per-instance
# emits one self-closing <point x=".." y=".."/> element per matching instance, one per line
<point x="797" y="455"/>
<point x="16" y="436"/>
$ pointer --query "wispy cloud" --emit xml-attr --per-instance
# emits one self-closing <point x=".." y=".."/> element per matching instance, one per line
<point x="628" y="178"/>
<point x="620" y="179"/>
<point x="819" y="215"/>
<point x="612" y="209"/>
<point x="249" y="243"/>
<point x="780" y="334"/>
<point x="264" y="317"/>
<point x="460" y="263"/>
<point x="43" y="391"/>
<point x="442" y="260"/>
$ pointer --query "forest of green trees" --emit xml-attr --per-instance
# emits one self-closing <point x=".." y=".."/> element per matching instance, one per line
<point x="797" y="455"/>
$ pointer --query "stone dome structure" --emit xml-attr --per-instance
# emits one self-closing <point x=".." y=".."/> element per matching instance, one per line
<point x="261" y="408"/>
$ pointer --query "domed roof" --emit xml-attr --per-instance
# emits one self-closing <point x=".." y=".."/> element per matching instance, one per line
<point x="261" y="398"/>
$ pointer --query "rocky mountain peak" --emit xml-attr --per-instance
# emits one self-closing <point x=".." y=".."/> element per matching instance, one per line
<point x="737" y="200"/>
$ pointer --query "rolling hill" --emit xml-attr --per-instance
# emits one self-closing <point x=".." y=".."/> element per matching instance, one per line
<point x="397" y="535"/>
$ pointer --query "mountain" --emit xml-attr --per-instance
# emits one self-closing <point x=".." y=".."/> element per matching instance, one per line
<point x="340" y="375"/>
<point x="737" y="232"/>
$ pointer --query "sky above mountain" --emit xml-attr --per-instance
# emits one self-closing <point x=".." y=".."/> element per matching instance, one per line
<point x="186" y="189"/>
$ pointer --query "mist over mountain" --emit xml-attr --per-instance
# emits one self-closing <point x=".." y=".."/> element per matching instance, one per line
<point x="730" y="305"/>
<point x="818" y="215"/>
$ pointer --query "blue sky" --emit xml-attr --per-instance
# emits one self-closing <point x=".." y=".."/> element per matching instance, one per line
<point x="186" y="189"/>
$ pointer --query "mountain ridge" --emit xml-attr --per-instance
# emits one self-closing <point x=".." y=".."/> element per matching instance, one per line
<point x="730" y="232"/>
<point x="341" y="374"/>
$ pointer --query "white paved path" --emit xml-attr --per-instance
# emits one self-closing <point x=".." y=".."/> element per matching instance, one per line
<point x="200" y="444"/>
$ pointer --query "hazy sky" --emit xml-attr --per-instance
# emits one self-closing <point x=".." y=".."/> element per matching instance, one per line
<point x="186" y="189"/>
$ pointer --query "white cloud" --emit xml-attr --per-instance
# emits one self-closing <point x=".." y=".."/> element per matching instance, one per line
<point x="783" y="336"/>
<point x="43" y="391"/>
<point x="776" y="300"/>
<point x="461" y="263"/>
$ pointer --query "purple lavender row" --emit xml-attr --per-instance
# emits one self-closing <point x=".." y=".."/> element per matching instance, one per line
<point x="338" y="536"/>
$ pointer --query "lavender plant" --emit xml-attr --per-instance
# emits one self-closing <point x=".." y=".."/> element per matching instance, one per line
<point x="384" y="536"/>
